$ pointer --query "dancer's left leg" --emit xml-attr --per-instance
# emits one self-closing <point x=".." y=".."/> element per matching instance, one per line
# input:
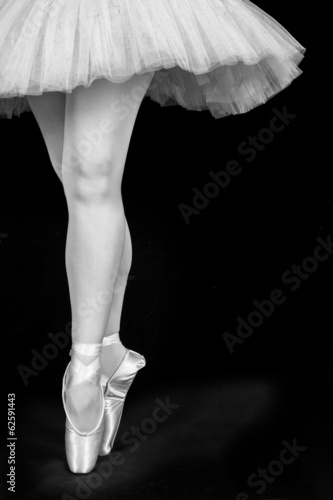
<point x="99" y="122"/>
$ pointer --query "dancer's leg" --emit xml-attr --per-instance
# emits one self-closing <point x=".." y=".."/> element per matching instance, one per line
<point x="49" y="111"/>
<point x="99" y="121"/>
<point x="120" y="287"/>
<point x="98" y="127"/>
<point x="113" y="353"/>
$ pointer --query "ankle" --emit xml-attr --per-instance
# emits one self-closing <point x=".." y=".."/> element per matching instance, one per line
<point x="111" y="338"/>
<point x="85" y="364"/>
<point x="112" y="353"/>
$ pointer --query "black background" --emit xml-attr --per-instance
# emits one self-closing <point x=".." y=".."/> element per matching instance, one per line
<point x="189" y="283"/>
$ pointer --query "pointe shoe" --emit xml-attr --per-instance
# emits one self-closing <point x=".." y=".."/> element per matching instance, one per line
<point x="82" y="447"/>
<point x="116" y="389"/>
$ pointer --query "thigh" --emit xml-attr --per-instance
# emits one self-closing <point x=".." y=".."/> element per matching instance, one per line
<point x="99" y="121"/>
<point x="49" y="111"/>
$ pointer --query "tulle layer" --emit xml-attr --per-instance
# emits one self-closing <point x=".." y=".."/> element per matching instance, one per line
<point x="227" y="56"/>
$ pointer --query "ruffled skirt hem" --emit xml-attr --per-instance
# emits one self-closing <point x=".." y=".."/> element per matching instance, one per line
<point x="227" y="56"/>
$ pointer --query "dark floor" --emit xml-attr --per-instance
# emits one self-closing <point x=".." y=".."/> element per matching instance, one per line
<point x="238" y="412"/>
<point x="216" y="435"/>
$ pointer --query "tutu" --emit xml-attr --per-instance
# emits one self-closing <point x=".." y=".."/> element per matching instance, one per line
<point x="227" y="56"/>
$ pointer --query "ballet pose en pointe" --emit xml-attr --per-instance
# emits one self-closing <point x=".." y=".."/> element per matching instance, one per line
<point x="83" y="67"/>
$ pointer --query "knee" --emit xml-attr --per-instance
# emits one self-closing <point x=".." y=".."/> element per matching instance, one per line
<point x="95" y="181"/>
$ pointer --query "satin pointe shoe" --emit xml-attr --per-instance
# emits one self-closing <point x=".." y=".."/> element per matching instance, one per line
<point x="116" y="389"/>
<point x="82" y="446"/>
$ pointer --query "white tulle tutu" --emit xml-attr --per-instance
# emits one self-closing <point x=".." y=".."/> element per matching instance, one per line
<point x="227" y="56"/>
